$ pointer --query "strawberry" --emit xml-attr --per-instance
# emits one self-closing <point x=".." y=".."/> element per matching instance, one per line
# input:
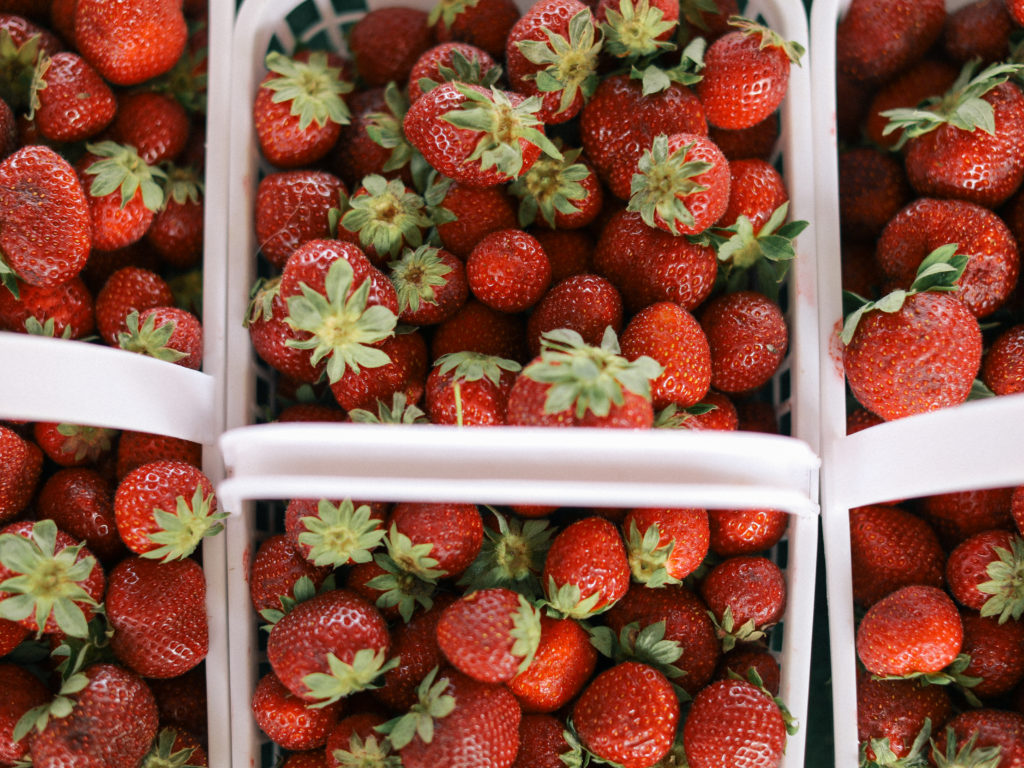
<point x="113" y="702"/>
<point x="155" y="123"/>
<point x="979" y="30"/>
<point x="585" y="303"/>
<point x="431" y="285"/>
<point x="563" y="663"/>
<point x="941" y="331"/>
<point x="448" y="534"/>
<point x="670" y="335"/>
<point x="177" y="228"/>
<point x="76" y="103"/>
<point x="274" y="339"/>
<point x="181" y="701"/>
<point x="166" y="333"/>
<point x="452" y="61"/>
<point x="921" y="82"/>
<point x="634" y="29"/>
<point x="915" y="630"/>
<point x="458" y="721"/>
<point x="73" y="445"/>
<point x="891" y="548"/>
<point x="565" y="192"/>
<point x="372" y="141"/>
<point x="291" y="208"/>
<point x="386" y="42"/>
<point x="866" y="48"/>
<point x="329" y="646"/>
<point x="757" y="142"/>
<point x="467" y="388"/>
<point x="175" y="745"/>
<point x="928" y="223"/>
<point x="383" y="217"/>
<point x="310" y="758"/>
<point x="63" y="311"/>
<point x="873" y="188"/>
<point x="995" y="652"/>
<point x="158" y="612"/>
<point x="541" y="742"/>
<point x="137" y="448"/>
<point x="483" y="23"/>
<point x="479" y="328"/>
<point x="1001" y="363"/>
<point x="972" y="159"/>
<point x="290" y="722"/>
<point x="334" y="533"/>
<point x="748" y="338"/>
<point x="980" y="735"/>
<point x="715" y="411"/>
<point x="568" y="250"/>
<point x="490" y="635"/>
<point x="477" y="136"/>
<point x="983" y="573"/>
<point x="23" y="462"/>
<point x="745" y="531"/>
<point x="126" y="290"/>
<point x="47" y="233"/>
<point x="733" y="722"/>
<point x="508" y="270"/>
<point x="165" y="508"/>
<point x="81" y="502"/>
<point x="745" y="75"/>
<point x="23" y="692"/>
<point x="747" y="658"/>
<point x="124" y="194"/>
<point x="552" y="52"/>
<point x="585" y="570"/>
<point x="892" y="715"/>
<point x="131" y="41"/>
<point x="300" y="108"/>
<point x="664" y="546"/>
<point x="746" y="595"/>
<point x="354" y="738"/>
<point x="403" y="375"/>
<point x="11" y="635"/>
<point x="48" y="582"/>
<point x="627" y="715"/>
<point x="958" y="515"/>
<point x="277" y="568"/>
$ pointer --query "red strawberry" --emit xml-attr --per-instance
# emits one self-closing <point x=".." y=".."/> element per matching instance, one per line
<point x="11" y="635"/>
<point x="746" y="595"/>
<point x="664" y="546"/>
<point x="47" y="233"/>
<point x="918" y="83"/>
<point x="470" y="213"/>
<point x="873" y="188"/>
<point x="746" y="658"/>
<point x="386" y="42"/>
<point x="451" y="534"/>
<point x="181" y="700"/>
<point x="291" y="208"/>
<point x="995" y="650"/>
<point x="914" y="630"/>
<point x="508" y="270"/>
<point x="403" y="375"/>
<point x="585" y="303"/>
<point x="23" y="691"/>
<point x="272" y="337"/>
<point x="81" y="502"/>
<point x="63" y="311"/>
<point x="276" y="569"/>
<point x="983" y="574"/>
<point x="158" y="612"/>
<point x="177" y="228"/>
<point x="979" y="30"/>
<point x="128" y="289"/>
<point x="355" y="738"/>
<point x="468" y="388"/>
<point x="541" y="742"/>
<point x="166" y="333"/>
<point x="484" y="23"/>
<point x="479" y="328"/>
<point x="635" y="29"/>
<point x="732" y="722"/>
<point x="979" y="735"/>
<point x="73" y="445"/>
<point x="334" y="533"/>
<point x="173" y="744"/>
<point x="627" y="715"/>
<point x="155" y="123"/>
<point x="1001" y="364"/>
<point x="137" y="448"/>
<point x="290" y="722"/>
<point x="431" y="285"/>
<point x="23" y="462"/>
<point x="745" y="531"/>
<point x="165" y="508"/>
<point x="76" y="103"/>
<point x="113" y="702"/>
<point x="892" y="713"/>
<point x="748" y="338"/>
<point x="756" y="142"/>
<point x="372" y="141"/>
<point x="867" y="49"/>
<point x="130" y="41"/>
<point x="563" y="663"/>
<point x="566" y="193"/>
<point x="383" y="217"/>
<point x="124" y="194"/>
<point x="568" y="250"/>
<point x="452" y="61"/>
<point x="585" y="570"/>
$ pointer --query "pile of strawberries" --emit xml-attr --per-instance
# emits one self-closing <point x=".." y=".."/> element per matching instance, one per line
<point x="103" y="616"/>
<point x="931" y="161"/>
<point x="567" y="216"/>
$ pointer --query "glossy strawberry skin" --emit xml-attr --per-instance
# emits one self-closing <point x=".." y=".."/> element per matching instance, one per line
<point x="751" y="586"/>
<point x="81" y="502"/>
<point x="478" y="211"/>
<point x="745" y="531"/>
<point x="76" y="102"/>
<point x="386" y="42"/>
<point x="24" y="461"/>
<point x="873" y="188"/>
<point x="868" y="47"/>
<point x="129" y="288"/>
<point x="455" y="531"/>
<point x="429" y="65"/>
<point x="590" y="554"/>
<point x="156" y="124"/>
<point x="69" y="305"/>
<point x="137" y="448"/>
<point x="565" y="660"/>
<point x="585" y="303"/>
<point x="896" y="710"/>
<point x="1002" y="367"/>
<point x="282" y="142"/>
<point x="756" y="190"/>
<point x="541" y="742"/>
<point x="748" y="338"/>
<point x="475" y="635"/>
<point x="481" y="402"/>
<point x="485" y="23"/>
<point x="479" y="328"/>
<point x="733" y="723"/>
<point x="685" y="528"/>
<point x="186" y="337"/>
<point x="406" y="373"/>
<point x="526" y="408"/>
<point x="177" y="233"/>
<point x="992" y="728"/>
<point x="288" y="720"/>
<point x="291" y="208"/>
<point x="271" y="333"/>
<point x="996" y="651"/>
<point x="23" y="691"/>
<point x="967" y="566"/>
<point x="508" y="270"/>
<point x="276" y="567"/>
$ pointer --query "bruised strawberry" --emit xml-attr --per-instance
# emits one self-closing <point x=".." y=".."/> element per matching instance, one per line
<point x="748" y="338"/>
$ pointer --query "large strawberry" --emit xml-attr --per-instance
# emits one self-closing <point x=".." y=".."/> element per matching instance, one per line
<point x="291" y="208"/>
<point x="586" y="570"/>
<point x="564" y="661"/>
<point x="665" y="545"/>
<point x="76" y="103"/>
<point x="386" y="42"/>
<point x="733" y="722"/>
<point x="289" y="721"/>
<point x="448" y="535"/>
<point x="274" y="582"/>
<point x="23" y="692"/>
<point x="468" y="388"/>
<point x="866" y="49"/>
<point x="746" y="595"/>
<point x="452" y="61"/>
<point x="748" y="338"/>
<point x="583" y="302"/>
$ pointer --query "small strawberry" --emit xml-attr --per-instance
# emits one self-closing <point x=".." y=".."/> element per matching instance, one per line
<point x="508" y="270"/>
<point x="175" y="745"/>
<point x="568" y="250"/>
<point x="565" y="192"/>
<point x="484" y="23"/>
<point x="431" y="285"/>
<point x="81" y="502"/>
<point x="959" y="515"/>
<point x="166" y="333"/>
<point x="354" y="740"/>
<point x="126" y="290"/>
<point x="177" y="228"/>
<point x="386" y="42"/>
<point x="979" y="30"/>
<point x="290" y="722"/>
<point x="745" y="531"/>
<point x="541" y="742"/>
<point x="585" y="303"/>
<point x="748" y="338"/>
<point x="873" y="188"/>
<point x="131" y="41"/>
<point x="746" y="595"/>
<point x="664" y="546"/>
<point x="73" y="445"/>
<point x="156" y="124"/>
<point x="76" y="102"/>
<point x="981" y="736"/>
<point x="995" y="650"/>
<point x="563" y="663"/>
<point x="373" y="141"/>
<point x="293" y="207"/>
<point x="402" y="376"/>
<point x="479" y="328"/>
<point x="585" y="570"/>
<point x="986" y="572"/>
<point x="747" y="658"/>
<point x="274" y="339"/>
<point x="181" y="701"/>
<point x="929" y="78"/>
<point x="466" y="213"/>
<point x="23" y="462"/>
<point x="1001" y="364"/>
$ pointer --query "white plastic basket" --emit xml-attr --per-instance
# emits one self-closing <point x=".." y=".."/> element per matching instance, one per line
<point x="904" y="459"/>
<point x="45" y="379"/>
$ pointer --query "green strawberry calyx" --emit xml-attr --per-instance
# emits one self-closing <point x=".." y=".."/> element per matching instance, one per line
<point x="433" y="703"/>
<point x="951" y="675"/>
<point x="179" y="533"/>
<point x="446" y="11"/>
<point x="501" y="126"/>
<point x="404" y="589"/>
<point x="341" y="533"/>
<point x="313" y="88"/>
<point x="662" y="181"/>
<point x="370" y="752"/>
<point x="417" y="275"/>
<point x="387" y="215"/>
<point x="462" y="70"/>
<point x="121" y="168"/>
<point x="475" y="366"/>
<point x="632" y="29"/>
<point x="878" y="753"/>
<point x="589" y="378"/>
<point x="163" y="755"/>
<point x="150" y="339"/>
<point x="962" y="106"/>
<point x="769" y="37"/>
<point x="674" y="417"/>
<point x="83" y="442"/>
<point x="343" y="327"/>
<point x="22" y="72"/>
<point x="569" y="65"/>
<point x="47" y="582"/>
<point x="49" y="328"/>
<point x="970" y="755"/>
<point x="343" y="679"/>
<point x="384" y="127"/>
<point x="184" y="184"/>
<point x="399" y="411"/>
<point x="550" y="186"/>
<point x="525" y="632"/>
<point x="644" y="644"/>
<point x="1006" y="583"/>
<point x="511" y="556"/>
<point x="655" y="77"/>
<point x="730" y="634"/>
<point x="648" y="557"/>
<point x="939" y="271"/>
<point x="261" y="300"/>
<point x="304" y="589"/>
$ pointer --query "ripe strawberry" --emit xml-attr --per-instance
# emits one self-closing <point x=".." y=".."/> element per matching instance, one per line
<point x="958" y="515"/>
<point x="291" y="208"/>
<point x="372" y="141"/>
<point x="166" y="333"/>
<point x="477" y="136"/>
<point x="608" y="391"/>
<point x="300" y="108"/>
<point x="131" y="41"/>
<point x="941" y="331"/>
<point x="11" y="635"/>
<point x="165" y="508"/>
<point x="63" y="311"/>
<point x="47" y="233"/>
<point x="23" y="692"/>
<point x="756" y="190"/>
<point x="565" y="192"/>
<point x="568" y="250"/>
<point x="670" y="335"/>
<point x="745" y="531"/>
<point x="928" y="223"/>
<point x="479" y="328"/>
<point x="664" y="546"/>
<point x="995" y="650"/>
<point x="732" y="722"/>
<point x="52" y="583"/>
<point x="745" y="75"/>
<point x="124" y="194"/>
<point x="114" y="703"/>
<point x="552" y="52"/>
<point x="748" y="338"/>
<point x="1001" y="363"/>
<point x="747" y="658"/>
<point x="177" y="228"/>
<point x="541" y="742"/>
<point x="23" y="462"/>
<point x="627" y="715"/>
<point x="449" y="534"/>
<point x="273" y="338"/>
<point x="290" y="722"/>
<point x="585" y="303"/>
<point x="354" y="740"/>
<point x="76" y="103"/>
<point x="873" y="188"/>
<point x="563" y="663"/>
<point x="508" y="270"/>
<point x="757" y="142"/>
<point x="431" y="285"/>
<point x="866" y="49"/>
<point x="277" y="568"/>
<point x="471" y="212"/>
<point x="137" y="448"/>
<point x="980" y="735"/>
<point x="913" y="631"/>
<point x="927" y="79"/>
<point x="128" y="289"/>
<point x="334" y="533"/>
<point x="458" y="721"/>
<point x="746" y="595"/>
<point x="983" y="574"/>
<point x="386" y="42"/>
<point x="383" y="217"/>
<point x="155" y="123"/>
<point x="585" y="570"/>
<point x="891" y="714"/>
<point x="483" y="23"/>
<point x="452" y="60"/>
<point x="173" y="744"/>
<point x="181" y="701"/>
<point x="81" y="502"/>
<point x="467" y="388"/>
<point x="73" y="445"/>
<point x="979" y="30"/>
<point x="634" y="29"/>
<point x="403" y="375"/>
<point x="158" y="612"/>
